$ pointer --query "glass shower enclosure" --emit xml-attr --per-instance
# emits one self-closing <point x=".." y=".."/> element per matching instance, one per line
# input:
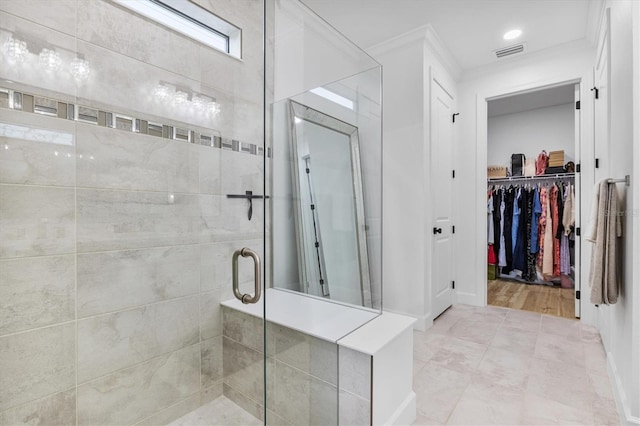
<point x="147" y="245"/>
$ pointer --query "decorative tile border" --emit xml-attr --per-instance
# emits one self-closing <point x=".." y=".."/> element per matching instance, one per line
<point x="12" y="99"/>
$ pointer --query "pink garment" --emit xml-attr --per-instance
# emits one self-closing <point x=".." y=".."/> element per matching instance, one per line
<point x="553" y="201"/>
<point x="542" y="222"/>
<point x="541" y="163"/>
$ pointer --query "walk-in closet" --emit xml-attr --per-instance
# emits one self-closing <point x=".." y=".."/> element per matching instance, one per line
<point x="532" y="183"/>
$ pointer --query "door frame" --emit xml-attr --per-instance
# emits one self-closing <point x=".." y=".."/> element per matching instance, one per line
<point x="584" y="156"/>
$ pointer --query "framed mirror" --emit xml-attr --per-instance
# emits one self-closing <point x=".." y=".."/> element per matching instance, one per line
<point x="329" y="207"/>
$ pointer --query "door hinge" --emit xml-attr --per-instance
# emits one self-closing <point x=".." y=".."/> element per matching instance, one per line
<point x="307" y="170"/>
<point x="596" y="92"/>
<point x="453" y="285"/>
<point x="577" y="104"/>
<point x="454" y="116"/>
<point x="597" y="163"/>
<point x="453" y="229"/>
<point x="578" y="231"/>
<point x="578" y="294"/>
<point x="453" y="174"/>
<point x="313" y="206"/>
<point x="578" y="168"/>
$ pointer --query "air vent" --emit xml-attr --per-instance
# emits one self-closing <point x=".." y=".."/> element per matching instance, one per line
<point x="511" y="50"/>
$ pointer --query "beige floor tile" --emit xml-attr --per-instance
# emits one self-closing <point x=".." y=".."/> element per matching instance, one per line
<point x="425" y="421"/>
<point x="426" y="344"/>
<point x="559" y="348"/>
<point x="515" y="340"/>
<point x="504" y="368"/>
<point x="438" y="390"/>
<point x="560" y="326"/>
<point x="487" y="404"/>
<point x="538" y="410"/>
<point x="523" y="320"/>
<point x="459" y="355"/>
<point x="476" y="328"/>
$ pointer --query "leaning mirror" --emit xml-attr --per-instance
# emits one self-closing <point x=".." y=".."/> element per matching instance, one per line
<point x="328" y="207"/>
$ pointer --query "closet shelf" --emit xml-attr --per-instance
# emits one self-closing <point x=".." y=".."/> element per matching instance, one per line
<point x="533" y="178"/>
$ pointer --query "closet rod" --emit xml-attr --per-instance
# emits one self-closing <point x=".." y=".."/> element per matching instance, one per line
<point x="533" y="178"/>
<point x="626" y="180"/>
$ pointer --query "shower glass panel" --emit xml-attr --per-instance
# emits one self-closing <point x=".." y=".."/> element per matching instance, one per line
<point x="326" y="113"/>
<point x="325" y="118"/>
<point x="122" y="136"/>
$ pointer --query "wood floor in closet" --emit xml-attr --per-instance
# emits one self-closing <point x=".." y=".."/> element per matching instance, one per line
<point x="535" y="298"/>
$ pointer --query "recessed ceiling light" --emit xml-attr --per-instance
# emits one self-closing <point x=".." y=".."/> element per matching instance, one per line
<point x="510" y="35"/>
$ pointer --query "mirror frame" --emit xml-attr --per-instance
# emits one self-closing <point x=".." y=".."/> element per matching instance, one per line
<point x="305" y="113"/>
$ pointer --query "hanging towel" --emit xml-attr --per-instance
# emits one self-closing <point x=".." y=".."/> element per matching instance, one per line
<point x="604" y="230"/>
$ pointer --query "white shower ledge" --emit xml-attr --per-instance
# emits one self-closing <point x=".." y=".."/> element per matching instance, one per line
<point x="316" y="317"/>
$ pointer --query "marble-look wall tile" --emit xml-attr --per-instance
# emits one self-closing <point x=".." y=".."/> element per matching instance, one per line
<point x="113" y="220"/>
<point x="54" y="410"/>
<point x="355" y="372"/>
<point x="115" y="280"/>
<point x="36" y="291"/>
<point x="173" y="412"/>
<point x="60" y="18"/>
<point x="121" y="30"/>
<point x="211" y="356"/>
<point x="107" y="343"/>
<point x="315" y="401"/>
<point x="242" y="328"/>
<point x="133" y="394"/>
<point x="209" y="169"/>
<point x="127" y="85"/>
<point x="29" y="72"/>
<point x="243" y="369"/>
<point x="353" y="410"/>
<point x="314" y="356"/>
<point x="37" y="150"/>
<point x="36" y="363"/>
<point x="225" y="219"/>
<point x="118" y="159"/>
<point x="36" y="221"/>
<point x="240" y="173"/>
<point x="211" y="312"/>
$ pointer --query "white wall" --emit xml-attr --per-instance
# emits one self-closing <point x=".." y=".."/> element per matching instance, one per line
<point x="530" y="132"/>
<point x="616" y="322"/>
<point x="408" y="63"/>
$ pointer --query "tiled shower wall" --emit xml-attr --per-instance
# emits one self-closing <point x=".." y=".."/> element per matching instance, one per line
<point x="115" y="249"/>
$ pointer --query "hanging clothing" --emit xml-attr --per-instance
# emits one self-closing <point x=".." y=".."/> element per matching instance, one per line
<point x="547" y="259"/>
<point x="569" y="214"/>
<point x="502" y="253"/>
<point x="490" y="235"/>
<point x="542" y="224"/>
<point x="497" y="196"/>
<point x="509" y="196"/>
<point x="535" y="213"/>
<point x="519" y="257"/>
<point x="530" y="274"/>
<point x="553" y="202"/>
<point x="604" y="231"/>
<point x="516" y="218"/>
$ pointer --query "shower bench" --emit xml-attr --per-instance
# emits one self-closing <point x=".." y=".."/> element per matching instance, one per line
<point x="319" y="353"/>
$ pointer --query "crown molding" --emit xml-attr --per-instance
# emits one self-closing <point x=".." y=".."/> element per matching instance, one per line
<point x="429" y="37"/>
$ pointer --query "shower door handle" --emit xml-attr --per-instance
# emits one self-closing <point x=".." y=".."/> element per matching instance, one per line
<point x="247" y="298"/>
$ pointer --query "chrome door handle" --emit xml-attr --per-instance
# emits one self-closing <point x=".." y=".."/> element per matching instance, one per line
<point x="247" y="298"/>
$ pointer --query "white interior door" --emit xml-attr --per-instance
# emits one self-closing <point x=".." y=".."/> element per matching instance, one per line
<point x="442" y="103"/>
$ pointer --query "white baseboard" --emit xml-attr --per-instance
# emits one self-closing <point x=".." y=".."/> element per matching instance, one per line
<point x="406" y="412"/>
<point x="620" y="395"/>
<point x="422" y="323"/>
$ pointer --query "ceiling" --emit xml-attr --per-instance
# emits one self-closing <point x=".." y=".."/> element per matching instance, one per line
<point x="470" y="29"/>
<point x="543" y="98"/>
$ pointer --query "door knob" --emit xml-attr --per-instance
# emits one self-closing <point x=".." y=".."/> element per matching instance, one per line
<point x="437" y="231"/>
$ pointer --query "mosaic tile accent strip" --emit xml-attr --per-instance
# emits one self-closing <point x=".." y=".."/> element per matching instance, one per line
<point x="16" y="100"/>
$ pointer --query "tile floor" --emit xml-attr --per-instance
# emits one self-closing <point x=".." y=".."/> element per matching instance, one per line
<point x="503" y="366"/>
<point x="491" y="366"/>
